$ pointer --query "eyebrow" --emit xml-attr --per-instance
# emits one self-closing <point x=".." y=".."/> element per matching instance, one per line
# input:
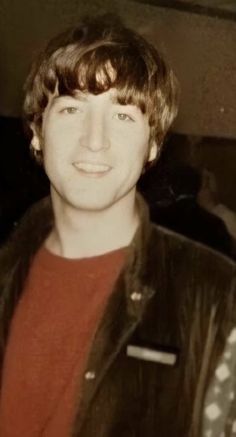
<point x="115" y="100"/>
<point x="80" y="96"/>
<point x="77" y="95"/>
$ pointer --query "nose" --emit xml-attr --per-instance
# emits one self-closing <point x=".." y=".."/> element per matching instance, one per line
<point x="95" y="136"/>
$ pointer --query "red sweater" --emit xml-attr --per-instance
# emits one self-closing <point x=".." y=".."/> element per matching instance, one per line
<point x="49" y="341"/>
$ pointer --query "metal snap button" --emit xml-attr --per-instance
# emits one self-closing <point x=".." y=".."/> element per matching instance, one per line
<point x="136" y="296"/>
<point x="90" y="374"/>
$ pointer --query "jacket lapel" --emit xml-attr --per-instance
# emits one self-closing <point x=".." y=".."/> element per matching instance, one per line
<point x="120" y="320"/>
<point x="123" y="313"/>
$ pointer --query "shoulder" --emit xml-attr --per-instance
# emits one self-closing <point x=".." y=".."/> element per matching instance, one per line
<point x="192" y="264"/>
<point x="26" y="237"/>
<point x="176" y="242"/>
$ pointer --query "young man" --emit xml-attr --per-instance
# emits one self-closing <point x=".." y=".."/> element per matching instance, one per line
<point x="110" y="326"/>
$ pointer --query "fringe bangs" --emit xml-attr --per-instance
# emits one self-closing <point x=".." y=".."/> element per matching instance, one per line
<point x="98" y="70"/>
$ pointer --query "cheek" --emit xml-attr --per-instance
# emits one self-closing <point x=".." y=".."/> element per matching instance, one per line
<point x="140" y="150"/>
<point x="54" y="160"/>
<point x="133" y="162"/>
<point x="138" y="141"/>
<point x="55" y="145"/>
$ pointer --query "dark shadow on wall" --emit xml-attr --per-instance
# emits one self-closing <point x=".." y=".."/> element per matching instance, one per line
<point x="195" y="7"/>
<point x="22" y="181"/>
<point x="191" y="190"/>
<point x="218" y="155"/>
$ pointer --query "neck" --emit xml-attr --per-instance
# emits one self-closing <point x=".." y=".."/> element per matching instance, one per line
<point x="80" y="234"/>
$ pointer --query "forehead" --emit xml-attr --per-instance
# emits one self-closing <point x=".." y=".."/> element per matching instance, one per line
<point x="112" y="96"/>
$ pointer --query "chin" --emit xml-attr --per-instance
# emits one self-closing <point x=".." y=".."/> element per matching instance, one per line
<point x="92" y="205"/>
<point x="95" y="201"/>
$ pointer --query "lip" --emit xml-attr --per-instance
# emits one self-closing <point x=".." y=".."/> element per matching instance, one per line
<point x="94" y="169"/>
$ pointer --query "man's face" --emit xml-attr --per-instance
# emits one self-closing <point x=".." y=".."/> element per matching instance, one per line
<point x="94" y="149"/>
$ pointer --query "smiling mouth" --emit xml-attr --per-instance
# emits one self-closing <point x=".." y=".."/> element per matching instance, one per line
<point x="92" y="168"/>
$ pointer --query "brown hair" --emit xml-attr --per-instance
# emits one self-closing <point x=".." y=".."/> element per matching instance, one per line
<point x="99" y="54"/>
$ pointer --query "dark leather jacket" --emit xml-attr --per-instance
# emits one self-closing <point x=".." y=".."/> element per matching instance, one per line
<point x="173" y="297"/>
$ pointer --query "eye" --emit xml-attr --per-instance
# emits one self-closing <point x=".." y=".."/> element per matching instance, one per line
<point x="124" y="117"/>
<point x="70" y="110"/>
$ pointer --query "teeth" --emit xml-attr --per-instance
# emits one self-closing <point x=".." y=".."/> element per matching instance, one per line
<point x="91" y="168"/>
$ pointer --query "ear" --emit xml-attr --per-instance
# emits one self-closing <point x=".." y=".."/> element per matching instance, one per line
<point x="35" y="142"/>
<point x="153" y="151"/>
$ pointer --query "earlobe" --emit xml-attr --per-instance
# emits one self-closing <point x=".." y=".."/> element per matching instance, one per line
<point x="35" y="146"/>
<point x="153" y="152"/>
<point x="35" y="142"/>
